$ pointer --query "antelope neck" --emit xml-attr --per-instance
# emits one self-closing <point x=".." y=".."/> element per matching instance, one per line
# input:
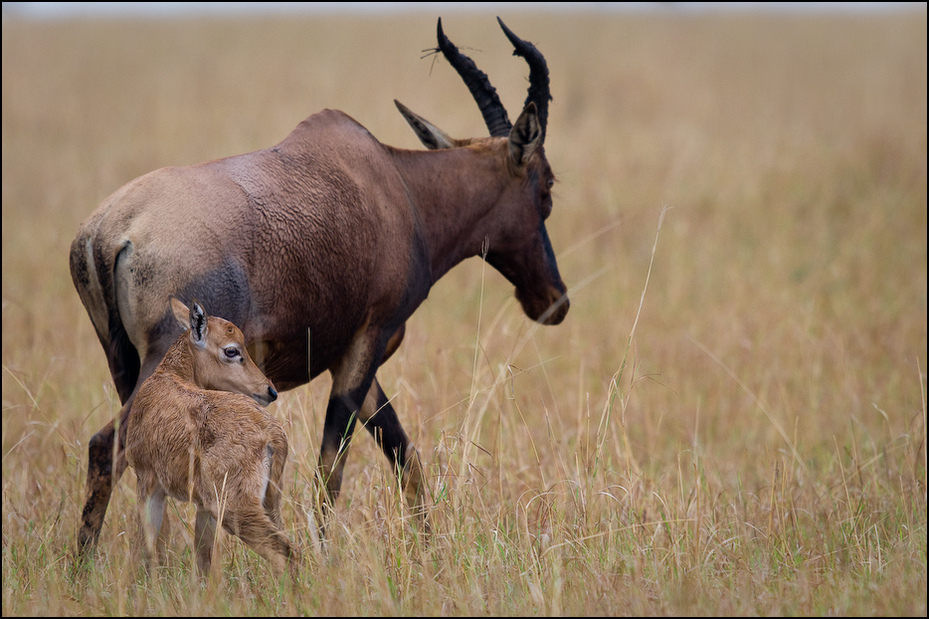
<point x="453" y="193"/>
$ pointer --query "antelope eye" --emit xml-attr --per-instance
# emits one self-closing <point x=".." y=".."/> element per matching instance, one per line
<point x="550" y="183"/>
<point x="231" y="352"/>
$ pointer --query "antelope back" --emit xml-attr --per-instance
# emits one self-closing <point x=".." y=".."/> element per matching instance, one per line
<point x="218" y="357"/>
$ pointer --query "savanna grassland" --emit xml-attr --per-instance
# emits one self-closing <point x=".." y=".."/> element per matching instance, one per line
<point x="731" y="420"/>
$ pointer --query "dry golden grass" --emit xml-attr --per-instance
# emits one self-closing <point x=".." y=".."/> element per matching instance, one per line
<point x="756" y="445"/>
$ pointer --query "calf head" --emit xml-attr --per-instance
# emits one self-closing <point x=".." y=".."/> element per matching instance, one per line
<point x="219" y="358"/>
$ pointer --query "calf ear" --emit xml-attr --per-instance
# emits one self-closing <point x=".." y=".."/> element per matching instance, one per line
<point x="197" y="324"/>
<point x="525" y="136"/>
<point x="181" y="313"/>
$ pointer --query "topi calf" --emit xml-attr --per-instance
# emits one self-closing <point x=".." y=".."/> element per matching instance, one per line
<point x="197" y="434"/>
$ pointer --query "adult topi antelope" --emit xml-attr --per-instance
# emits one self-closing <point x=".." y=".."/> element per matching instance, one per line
<point x="188" y="437"/>
<point x="320" y="249"/>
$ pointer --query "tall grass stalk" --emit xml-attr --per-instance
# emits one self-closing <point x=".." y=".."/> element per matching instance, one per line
<point x="616" y="379"/>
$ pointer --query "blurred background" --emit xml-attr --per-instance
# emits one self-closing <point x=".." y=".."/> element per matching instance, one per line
<point x="745" y="435"/>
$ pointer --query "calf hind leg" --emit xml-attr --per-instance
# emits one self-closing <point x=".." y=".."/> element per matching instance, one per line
<point x="151" y="502"/>
<point x="204" y="534"/>
<point x="252" y="525"/>
<point x="107" y="457"/>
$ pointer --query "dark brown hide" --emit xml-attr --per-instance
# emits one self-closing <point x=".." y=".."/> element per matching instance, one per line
<point x="318" y="248"/>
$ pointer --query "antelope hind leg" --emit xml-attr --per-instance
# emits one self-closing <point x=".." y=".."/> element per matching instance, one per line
<point x="102" y="476"/>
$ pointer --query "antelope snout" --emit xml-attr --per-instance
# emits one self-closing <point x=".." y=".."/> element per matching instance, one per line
<point x="548" y="307"/>
<point x="557" y="311"/>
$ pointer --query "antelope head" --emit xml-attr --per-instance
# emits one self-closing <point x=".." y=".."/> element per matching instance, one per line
<point x="519" y="248"/>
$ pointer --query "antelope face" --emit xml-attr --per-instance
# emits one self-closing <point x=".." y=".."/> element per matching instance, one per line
<point x="523" y="252"/>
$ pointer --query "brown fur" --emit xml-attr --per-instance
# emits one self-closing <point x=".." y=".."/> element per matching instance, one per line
<point x="320" y="249"/>
<point x="217" y="449"/>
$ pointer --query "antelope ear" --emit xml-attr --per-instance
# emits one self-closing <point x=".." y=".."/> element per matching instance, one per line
<point x="181" y="313"/>
<point x="197" y="324"/>
<point x="525" y="136"/>
<point x="431" y="136"/>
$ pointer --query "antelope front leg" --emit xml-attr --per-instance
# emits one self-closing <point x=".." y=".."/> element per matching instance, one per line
<point x="351" y="379"/>
<point x="380" y="419"/>
<point x="341" y="415"/>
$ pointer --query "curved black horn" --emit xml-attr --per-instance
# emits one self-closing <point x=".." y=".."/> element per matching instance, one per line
<point x="539" y="92"/>
<point x="477" y="82"/>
